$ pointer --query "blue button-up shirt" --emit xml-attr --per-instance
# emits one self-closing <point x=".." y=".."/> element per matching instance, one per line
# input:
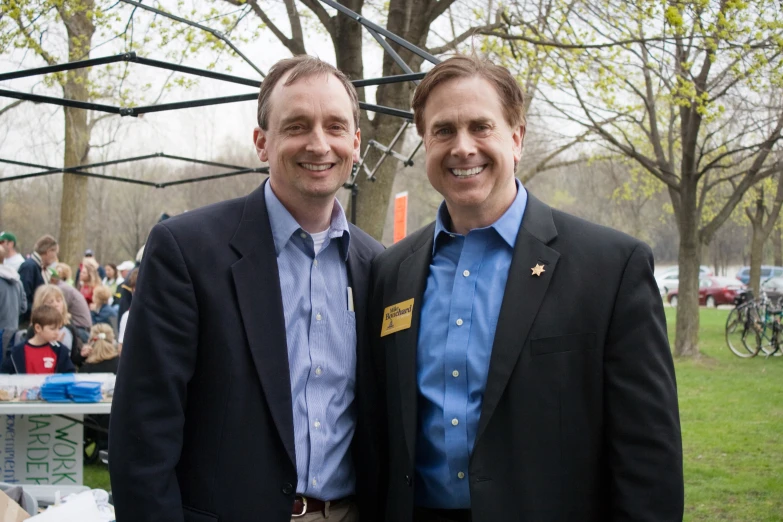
<point x="321" y="338"/>
<point x="459" y="315"/>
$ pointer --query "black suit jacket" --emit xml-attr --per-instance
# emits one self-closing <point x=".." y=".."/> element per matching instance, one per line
<point x="202" y="421"/>
<point x="579" y="420"/>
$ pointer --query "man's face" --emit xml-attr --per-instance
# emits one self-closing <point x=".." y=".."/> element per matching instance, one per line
<point x="311" y="143"/>
<point x="50" y="256"/>
<point x="48" y="333"/>
<point x="471" y="149"/>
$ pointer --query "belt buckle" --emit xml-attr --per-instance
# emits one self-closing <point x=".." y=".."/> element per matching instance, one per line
<point x="304" y="507"/>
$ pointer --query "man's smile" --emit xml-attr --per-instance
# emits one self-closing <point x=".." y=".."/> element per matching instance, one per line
<point x="467" y="173"/>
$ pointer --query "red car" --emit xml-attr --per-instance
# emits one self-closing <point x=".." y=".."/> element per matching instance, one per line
<point x="713" y="291"/>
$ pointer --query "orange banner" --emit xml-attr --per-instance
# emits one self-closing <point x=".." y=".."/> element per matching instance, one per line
<point x="400" y="216"/>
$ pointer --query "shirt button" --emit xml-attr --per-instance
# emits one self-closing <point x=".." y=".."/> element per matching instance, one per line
<point x="455" y="373"/>
<point x="317" y="317"/>
<point x="315" y="482"/>
<point x="460" y="475"/>
<point x="451" y="235"/>
<point x="303" y="235"/>
<point x="459" y="322"/>
<point x="317" y="424"/>
<point x="318" y="371"/>
<point x="315" y="262"/>
<point x="454" y="422"/>
<point x="466" y="273"/>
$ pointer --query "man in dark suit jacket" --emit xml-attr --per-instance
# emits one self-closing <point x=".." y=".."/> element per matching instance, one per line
<point x="241" y="389"/>
<point x="522" y="351"/>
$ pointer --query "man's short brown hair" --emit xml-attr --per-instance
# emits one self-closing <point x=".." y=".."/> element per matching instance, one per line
<point x="511" y="96"/>
<point x="46" y="315"/>
<point x="44" y="244"/>
<point x="302" y="66"/>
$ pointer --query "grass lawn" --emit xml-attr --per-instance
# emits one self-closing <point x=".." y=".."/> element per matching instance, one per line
<point x="732" y="430"/>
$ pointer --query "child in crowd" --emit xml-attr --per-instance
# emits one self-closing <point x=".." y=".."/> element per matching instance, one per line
<point x="102" y="356"/>
<point x="100" y="309"/>
<point x="41" y="353"/>
<point x="52" y="295"/>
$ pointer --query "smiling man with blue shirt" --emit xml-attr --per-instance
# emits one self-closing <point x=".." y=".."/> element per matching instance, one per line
<point x="516" y="387"/>
<point x="244" y="390"/>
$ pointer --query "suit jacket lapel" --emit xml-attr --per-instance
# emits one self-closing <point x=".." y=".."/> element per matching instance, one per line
<point x="257" y="285"/>
<point x="358" y="272"/>
<point x="411" y="282"/>
<point x="523" y="296"/>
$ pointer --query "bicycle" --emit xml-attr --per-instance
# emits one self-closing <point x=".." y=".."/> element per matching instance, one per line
<point x="754" y="326"/>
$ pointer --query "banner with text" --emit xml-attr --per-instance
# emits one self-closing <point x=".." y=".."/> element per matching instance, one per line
<point x="41" y="449"/>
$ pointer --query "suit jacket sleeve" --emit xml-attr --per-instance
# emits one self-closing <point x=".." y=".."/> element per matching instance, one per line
<point x="64" y="363"/>
<point x="27" y="277"/>
<point x="158" y="360"/>
<point x="22" y="298"/>
<point x="643" y="439"/>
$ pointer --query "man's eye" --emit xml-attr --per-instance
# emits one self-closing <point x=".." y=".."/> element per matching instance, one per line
<point x="442" y="132"/>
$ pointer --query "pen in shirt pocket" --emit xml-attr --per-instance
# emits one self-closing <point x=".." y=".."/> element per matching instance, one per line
<point x="350" y="299"/>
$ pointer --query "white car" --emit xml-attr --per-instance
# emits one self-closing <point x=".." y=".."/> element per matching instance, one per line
<point x="668" y="279"/>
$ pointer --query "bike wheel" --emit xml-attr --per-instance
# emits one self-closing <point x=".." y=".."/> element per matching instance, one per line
<point x="742" y="333"/>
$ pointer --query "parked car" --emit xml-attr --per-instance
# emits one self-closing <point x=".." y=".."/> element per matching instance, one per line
<point x="713" y="291"/>
<point x="773" y="287"/>
<point x="766" y="273"/>
<point x="669" y="278"/>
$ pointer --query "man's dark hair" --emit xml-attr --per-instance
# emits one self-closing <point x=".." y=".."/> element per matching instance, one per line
<point x="461" y="66"/>
<point x="302" y="66"/>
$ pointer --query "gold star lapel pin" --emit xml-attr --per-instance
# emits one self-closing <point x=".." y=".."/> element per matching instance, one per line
<point x="538" y="270"/>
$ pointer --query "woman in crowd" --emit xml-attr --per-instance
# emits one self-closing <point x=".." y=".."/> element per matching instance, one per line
<point x="111" y="280"/>
<point x="51" y="295"/>
<point x="88" y="279"/>
<point x="102" y="356"/>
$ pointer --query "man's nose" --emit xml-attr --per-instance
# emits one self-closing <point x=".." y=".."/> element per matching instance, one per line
<point x="317" y="142"/>
<point x="464" y="145"/>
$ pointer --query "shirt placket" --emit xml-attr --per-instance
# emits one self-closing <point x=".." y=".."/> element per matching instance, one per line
<point x="455" y="368"/>
<point x="314" y="388"/>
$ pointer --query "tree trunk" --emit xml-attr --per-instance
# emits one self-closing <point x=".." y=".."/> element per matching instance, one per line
<point x="687" y="329"/>
<point x="409" y="21"/>
<point x="777" y="243"/>
<point x="756" y="254"/>
<point x="73" y="210"/>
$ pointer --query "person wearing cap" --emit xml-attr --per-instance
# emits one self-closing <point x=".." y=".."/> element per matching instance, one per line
<point x="245" y="391"/>
<point x="89" y="254"/>
<point x="13" y="258"/>
<point x="123" y="295"/>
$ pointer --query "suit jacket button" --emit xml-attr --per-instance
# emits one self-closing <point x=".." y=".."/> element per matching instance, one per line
<point x="408" y="480"/>
<point x="287" y="488"/>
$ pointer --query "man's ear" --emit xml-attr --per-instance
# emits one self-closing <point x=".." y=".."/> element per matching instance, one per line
<point x="518" y="139"/>
<point x="357" y="146"/>
<point x="259" y="140"/>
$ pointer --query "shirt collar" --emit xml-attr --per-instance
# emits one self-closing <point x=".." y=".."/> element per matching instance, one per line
<point x="284" y="226"/>
<point x="507" y="226"/>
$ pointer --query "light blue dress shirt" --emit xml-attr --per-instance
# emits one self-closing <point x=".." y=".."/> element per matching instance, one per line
<point x="321" y="339"/>
<point x="459" y="315"/>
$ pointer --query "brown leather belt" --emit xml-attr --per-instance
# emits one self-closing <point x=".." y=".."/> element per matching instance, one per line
<point x="303" y="505"/>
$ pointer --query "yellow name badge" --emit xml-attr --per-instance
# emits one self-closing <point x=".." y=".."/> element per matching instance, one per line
<point x="397" y="317"/>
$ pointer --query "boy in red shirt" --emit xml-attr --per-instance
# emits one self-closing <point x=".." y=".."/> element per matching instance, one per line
<point x="41" y="353"/>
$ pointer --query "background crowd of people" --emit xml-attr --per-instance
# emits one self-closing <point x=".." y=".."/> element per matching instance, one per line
<point x="53" y="320"/>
